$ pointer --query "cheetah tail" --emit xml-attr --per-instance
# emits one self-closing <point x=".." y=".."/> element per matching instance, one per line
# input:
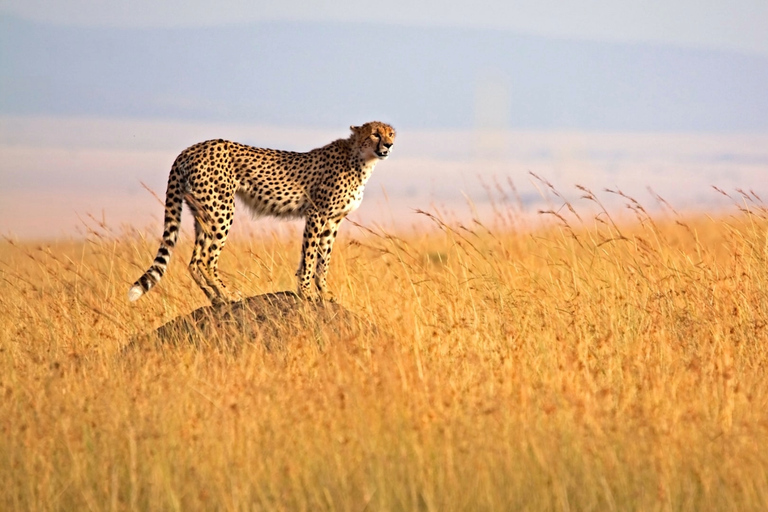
<point x="173" y="204"/>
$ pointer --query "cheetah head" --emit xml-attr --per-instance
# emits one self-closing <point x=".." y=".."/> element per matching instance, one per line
<point x="375" y="139"/>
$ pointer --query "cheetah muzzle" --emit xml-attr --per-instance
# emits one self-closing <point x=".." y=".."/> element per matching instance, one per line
<point x="322" y="186"/>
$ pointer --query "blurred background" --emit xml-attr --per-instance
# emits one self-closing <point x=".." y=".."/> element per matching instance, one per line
<point x="98" y="97"/>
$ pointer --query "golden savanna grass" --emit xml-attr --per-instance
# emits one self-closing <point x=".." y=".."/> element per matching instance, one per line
<point x="599" y="361"/>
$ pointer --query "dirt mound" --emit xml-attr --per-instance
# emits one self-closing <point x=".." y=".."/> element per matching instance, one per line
<point x="272" y="319"/>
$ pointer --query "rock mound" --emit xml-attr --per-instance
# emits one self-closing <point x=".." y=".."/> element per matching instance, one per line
<point x="272" y="319"/>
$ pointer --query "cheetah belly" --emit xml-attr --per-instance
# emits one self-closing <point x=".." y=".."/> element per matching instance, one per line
<point x="292" y="205"/>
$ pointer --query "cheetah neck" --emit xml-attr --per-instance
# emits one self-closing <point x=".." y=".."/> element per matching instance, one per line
<point x="362" y="168"/>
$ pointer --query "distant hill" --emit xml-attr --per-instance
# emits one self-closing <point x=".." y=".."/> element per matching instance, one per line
<point x="331" y="74"/>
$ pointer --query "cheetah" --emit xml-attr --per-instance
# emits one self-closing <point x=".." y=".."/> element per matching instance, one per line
<point x="322" y="186"/>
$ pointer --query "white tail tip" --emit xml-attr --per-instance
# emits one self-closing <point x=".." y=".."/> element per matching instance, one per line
<point x="135" y="292"/>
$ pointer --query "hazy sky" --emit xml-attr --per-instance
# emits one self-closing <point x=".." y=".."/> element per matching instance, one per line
<point x="88" y="116"/>
<point x="732" y="24"/>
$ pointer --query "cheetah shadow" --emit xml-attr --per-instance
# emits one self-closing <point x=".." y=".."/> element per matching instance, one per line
<point x="272" y="320"/>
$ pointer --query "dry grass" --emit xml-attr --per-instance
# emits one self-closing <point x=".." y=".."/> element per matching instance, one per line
<point x="589" y="365"/>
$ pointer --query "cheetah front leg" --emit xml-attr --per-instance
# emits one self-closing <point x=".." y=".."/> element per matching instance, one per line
<point x="325" y="246"/>
<point x="309" y="250"/>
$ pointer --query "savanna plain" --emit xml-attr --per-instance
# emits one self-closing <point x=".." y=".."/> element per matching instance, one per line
<point x="603" y="358"/>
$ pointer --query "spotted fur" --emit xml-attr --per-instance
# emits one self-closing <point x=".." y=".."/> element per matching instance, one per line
<point x="321" y="186"/>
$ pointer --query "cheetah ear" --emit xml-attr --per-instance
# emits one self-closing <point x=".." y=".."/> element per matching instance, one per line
<point x="354" y="128"/>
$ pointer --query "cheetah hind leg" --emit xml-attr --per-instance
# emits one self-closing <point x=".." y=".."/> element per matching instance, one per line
<point x="203" y="266"/>
<point x="210" y="257"/>
<point x="197" y="269"/>
<point x="208" y="279"/>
